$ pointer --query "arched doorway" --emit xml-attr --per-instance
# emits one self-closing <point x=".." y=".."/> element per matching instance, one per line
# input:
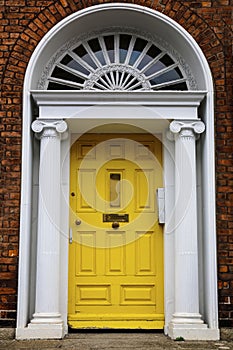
<point x="85" y="93"/>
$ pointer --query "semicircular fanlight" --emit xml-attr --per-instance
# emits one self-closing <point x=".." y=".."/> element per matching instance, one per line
<point x="117" y="62"/>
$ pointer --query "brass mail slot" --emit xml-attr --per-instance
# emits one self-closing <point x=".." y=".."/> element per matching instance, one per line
<point x="115" y="217"/>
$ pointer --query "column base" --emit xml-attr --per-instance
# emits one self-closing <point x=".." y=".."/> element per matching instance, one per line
<point x="46" y="318"/>
<point x="43" y="326"/>
<point x="41" y="331"/>
<point x="191" y="327"/>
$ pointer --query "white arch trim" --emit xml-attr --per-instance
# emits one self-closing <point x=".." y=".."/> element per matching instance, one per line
<point x="192" y="54"/>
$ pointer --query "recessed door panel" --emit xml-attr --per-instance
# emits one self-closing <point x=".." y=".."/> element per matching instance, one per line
<point x="138" y="294"/>
<point x="145" y="248"/>
<point x="85" y="150"/>
<point x="115" y="253"/>
<point x="87" y="199"/>
<point x="144" y="180"/>
<point x="85" y="253"/>
<point x="96" y="294"/>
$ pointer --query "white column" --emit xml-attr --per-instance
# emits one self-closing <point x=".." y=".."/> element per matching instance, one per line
<point x="186" y="321"/>
<point x="47" y="322"/>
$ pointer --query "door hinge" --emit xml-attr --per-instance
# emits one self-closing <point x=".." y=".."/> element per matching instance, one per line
<point x="160" y="192"/>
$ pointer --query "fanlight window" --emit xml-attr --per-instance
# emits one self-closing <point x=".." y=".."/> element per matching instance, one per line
<point x="117" y="62"/>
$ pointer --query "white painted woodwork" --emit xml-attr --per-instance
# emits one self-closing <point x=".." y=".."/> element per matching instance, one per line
<point x="47" y="317"/>
<point x="187" y="321"/>
<point x="138" y="111"/>
<point x="117" y="58"/>
<point x="160" y="194"/>
<point x="119" y="105"/>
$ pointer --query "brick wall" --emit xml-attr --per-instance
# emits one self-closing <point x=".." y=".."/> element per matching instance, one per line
<point x="22" y="25"/>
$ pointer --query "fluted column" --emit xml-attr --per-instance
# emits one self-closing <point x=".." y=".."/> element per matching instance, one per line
<point x="186" y="321"/>
<point x="47" y="319"/>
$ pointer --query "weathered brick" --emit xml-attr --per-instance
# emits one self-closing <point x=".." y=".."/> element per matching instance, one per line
<point x="22" y="25"/>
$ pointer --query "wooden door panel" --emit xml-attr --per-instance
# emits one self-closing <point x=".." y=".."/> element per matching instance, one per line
<point x="85" y="253"/>
<point x="144" y="199"/>
<point x="138" y="294"/>
<point x="115" y="257"/>
<point x="86" y="198"/>
<point x="116" y="275"/>
<point x="145" y="254"/>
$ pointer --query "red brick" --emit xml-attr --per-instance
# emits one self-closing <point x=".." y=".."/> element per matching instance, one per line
<point x="24" y="23"/>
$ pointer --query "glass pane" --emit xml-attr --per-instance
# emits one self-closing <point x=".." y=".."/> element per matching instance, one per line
<point x="71" y="63"/>
<point x="138" y="87"/>
<point x="99" y="55"/>
<point x="55" y="86"/>
<point x="163" y="78"/>
<point x="96" y="48"/>
<point x="150" y="55"/>
<point x="153" y="51"/>
<point x="109" y="42"/>
<point x="62" y="74"/>
<point x="97" y="87"/>
<point x="166" y="60"/>
<point x="138" y="48"/>
<point x="124" y="46"/>
<point x="115" y="190"/>
<point x="94" y="45"/>
<point x="176" y="87"/>
<point x="154" y="69"/>
<point x="81" y="52"/>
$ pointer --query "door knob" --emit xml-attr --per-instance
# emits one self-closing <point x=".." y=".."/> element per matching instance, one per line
<point x="78" y="222"/>
<point x="115" y="225"/>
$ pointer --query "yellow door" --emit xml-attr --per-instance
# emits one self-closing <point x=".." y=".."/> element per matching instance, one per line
<point x="116" y="255"/>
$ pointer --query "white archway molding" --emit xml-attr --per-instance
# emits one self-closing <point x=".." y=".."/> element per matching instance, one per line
<point x="146" y="20"/>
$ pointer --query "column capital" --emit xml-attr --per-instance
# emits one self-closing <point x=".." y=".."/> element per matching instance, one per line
<point x="49" y="128"/>
<point x="187" y="128"/>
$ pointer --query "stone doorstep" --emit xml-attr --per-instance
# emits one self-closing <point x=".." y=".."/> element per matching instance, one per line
<point x="9" y="333"/>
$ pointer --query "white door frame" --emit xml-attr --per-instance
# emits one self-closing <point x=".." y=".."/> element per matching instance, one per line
<point x="78" y="107"/>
